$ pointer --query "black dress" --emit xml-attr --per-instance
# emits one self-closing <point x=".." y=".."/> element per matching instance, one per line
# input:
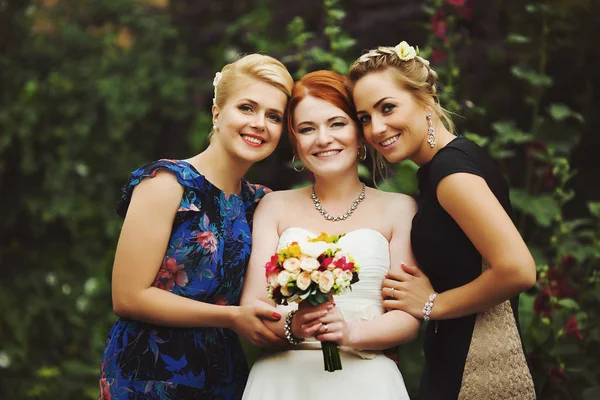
<point x="447" y="256"/>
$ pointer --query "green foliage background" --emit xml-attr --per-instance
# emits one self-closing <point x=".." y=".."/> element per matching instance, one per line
<point x="91" y="90"/>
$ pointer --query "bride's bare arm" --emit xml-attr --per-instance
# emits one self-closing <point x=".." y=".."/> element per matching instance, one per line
<point x="265" y="237"/>
<point x="394" y="327"/>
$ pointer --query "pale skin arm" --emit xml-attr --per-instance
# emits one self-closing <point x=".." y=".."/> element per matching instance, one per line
<point x="265" y="238"/>
<point x="394" y="327"/>
<point x="471" y="203"/>
<point x="140" y="252"/>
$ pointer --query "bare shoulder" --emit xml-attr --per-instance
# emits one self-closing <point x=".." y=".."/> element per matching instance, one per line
<point x="397" y="203"/>
<point x="163" y="188"/>
<point x="279" y="200"/>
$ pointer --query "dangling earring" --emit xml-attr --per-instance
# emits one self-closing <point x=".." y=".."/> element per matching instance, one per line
<point x="430" y="131"/>
<point x="362" y="155"/>
<point x="382" y="163"/>
<point x="295" y="166"/>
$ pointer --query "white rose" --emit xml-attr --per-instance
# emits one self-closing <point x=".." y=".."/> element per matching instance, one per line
<point x="348" y="275"/>
<point x="309" y="264"/>
<point x="341" y="282"/>
<point x="272" y="281"/>
<point x="315" y="275"/>
<point x="326" y="281"/>
<point x="339" y="255"/>
<point x="338" y="273"/>
<point x="217" y="78"/>
<point x="283" y="278"/>
<point x="405" y="52"/>
<point x="292" y="265"/>
<point x="303" y="281"/>
<point x="314" y="249"/>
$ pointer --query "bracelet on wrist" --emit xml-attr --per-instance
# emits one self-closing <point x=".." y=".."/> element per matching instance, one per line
<point x="428" y="306"/>
<point x="287" y="329"/>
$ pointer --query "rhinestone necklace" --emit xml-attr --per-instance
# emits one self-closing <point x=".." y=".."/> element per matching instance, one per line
<point x="345" y="215"/>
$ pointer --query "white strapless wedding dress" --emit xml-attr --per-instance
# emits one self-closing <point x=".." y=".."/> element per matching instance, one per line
<point x="298" y="374"/>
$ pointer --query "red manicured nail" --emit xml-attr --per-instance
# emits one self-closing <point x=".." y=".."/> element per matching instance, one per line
<point x="276" y="315"/>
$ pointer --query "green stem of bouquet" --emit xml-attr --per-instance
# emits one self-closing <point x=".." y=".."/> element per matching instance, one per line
<point x="331" y="356"/>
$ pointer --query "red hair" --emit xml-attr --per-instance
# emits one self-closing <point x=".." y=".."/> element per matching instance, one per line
<point x="324" y="85"/>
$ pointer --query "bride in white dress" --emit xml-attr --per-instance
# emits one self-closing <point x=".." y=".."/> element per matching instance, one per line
<point x="325" y="136"/>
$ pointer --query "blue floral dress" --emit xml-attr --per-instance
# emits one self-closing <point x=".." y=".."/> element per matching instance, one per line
<point x="205" y="260"/>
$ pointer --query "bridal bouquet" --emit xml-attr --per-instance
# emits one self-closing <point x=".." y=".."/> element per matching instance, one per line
<point x="312" y="271"/>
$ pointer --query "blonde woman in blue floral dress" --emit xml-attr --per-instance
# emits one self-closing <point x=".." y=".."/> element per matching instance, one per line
<point x="183" y="251"/>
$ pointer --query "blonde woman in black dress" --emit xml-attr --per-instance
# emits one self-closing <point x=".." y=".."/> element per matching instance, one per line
<point x="472" y="260"/>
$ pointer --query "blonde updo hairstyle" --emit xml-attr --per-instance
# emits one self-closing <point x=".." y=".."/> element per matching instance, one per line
<point x="252" y="66"/>
<point x="414" y="75"/>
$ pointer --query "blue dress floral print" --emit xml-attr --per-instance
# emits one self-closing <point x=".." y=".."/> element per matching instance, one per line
<point x="205" y="260"/>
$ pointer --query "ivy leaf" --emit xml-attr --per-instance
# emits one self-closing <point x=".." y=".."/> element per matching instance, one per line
<point x="534" y="78"/>
<point x="544" y="209"/>
<point x="509" y="133"/>
<point x="526" y="301"/>
<point x="594" y="207"/>
<point x="569" y="304"/>
<point x="519" y="39"/>
<point x="479" y="140"/>
<point x="560" y="112"/>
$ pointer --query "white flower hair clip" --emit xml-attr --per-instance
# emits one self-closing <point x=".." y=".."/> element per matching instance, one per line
<point x="406" y="52"/>
<point x="218" y="77"/>
<point x="216" y="81"/>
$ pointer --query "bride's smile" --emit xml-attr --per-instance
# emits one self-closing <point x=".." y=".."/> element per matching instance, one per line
<point x="326" y="137"/>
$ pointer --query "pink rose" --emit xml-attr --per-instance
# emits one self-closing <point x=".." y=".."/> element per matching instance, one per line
<point x="303" y="281"/>
<point x="326" y="281"/>
<point x="272" y="280"/>
<point x="283" y="278"/>
<point x="309" y="264"/>
<point x="315" y="275"/>
<point x="292" y="265"/>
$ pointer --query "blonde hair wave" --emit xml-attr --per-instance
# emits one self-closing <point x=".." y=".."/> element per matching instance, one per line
<point x="414" y="75"/>
<point x="252" y="66"/>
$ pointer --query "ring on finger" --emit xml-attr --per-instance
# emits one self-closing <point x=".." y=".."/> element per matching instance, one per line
<point x="325" y="328"/>
<point x="392" y="293"/>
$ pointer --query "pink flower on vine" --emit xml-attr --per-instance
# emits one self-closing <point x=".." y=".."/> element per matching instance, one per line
<point x="467" y="10"/>
<point x="438" y="56"/>
<point x="558" y="285"/>
<point x="439" y="27"/>
<point x="568" y="262"/>
<point x="542" y="305"/>
<point x="557" y="374"/>
<point x="457" y="3"/>
<point x="572" y="329"/>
